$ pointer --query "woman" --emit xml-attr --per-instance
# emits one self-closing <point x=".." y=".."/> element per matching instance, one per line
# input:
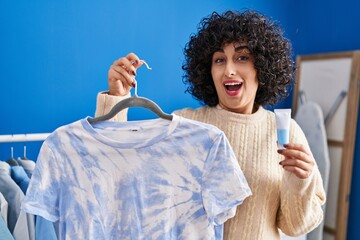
<point x="235" y="64"/>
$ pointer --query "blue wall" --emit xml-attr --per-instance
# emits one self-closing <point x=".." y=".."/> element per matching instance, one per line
<point x="54" y="55"/>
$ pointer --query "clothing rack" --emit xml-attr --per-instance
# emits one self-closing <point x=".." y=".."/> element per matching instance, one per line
<point x="33" y="137"/>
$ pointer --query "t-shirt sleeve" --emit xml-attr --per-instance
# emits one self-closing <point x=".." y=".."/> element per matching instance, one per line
<point x="224" y="185"/>
<point x="42" y="196"/>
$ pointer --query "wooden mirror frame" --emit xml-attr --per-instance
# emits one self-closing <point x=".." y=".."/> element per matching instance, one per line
<point x="320" y="69"/>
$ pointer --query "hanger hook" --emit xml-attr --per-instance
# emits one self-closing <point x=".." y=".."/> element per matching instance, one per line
<point x="135" y="88"/>
<point x="136" y="85"/>
<point x="147" y="66"/>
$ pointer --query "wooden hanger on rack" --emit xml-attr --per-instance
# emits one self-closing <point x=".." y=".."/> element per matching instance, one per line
<point x="133" y="101"/>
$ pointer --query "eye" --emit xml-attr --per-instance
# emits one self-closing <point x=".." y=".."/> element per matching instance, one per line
<point x="243" y="58"/>
<point x="218" y="60"/>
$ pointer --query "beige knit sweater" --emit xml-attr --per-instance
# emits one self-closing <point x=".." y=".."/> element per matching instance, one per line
<point x="280" y="200"/>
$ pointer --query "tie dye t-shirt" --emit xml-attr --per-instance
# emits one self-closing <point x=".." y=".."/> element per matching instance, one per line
<point x="151" y="179"/>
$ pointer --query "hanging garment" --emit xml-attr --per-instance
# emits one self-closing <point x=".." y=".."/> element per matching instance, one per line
<point x="20" y="224"/>
<point x="25" y="227"/>
<point x="310" y="118"/>
<point x="44" y="229"/>
<point x="28" y="166"/>
<point x="4" y="206"/>
<point x="153" y="179"/>
<point x="20" y="177"/>
<point x="4" y="231"/>
<point x="12" y="194"/>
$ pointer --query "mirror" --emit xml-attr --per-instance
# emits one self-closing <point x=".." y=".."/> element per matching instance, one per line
<point x="332" y="81"/>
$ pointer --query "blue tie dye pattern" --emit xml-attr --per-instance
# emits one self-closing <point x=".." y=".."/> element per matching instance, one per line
<point x="153" y="179"/>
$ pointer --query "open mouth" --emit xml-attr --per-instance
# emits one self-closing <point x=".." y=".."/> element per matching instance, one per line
<point x="232" y="88"/>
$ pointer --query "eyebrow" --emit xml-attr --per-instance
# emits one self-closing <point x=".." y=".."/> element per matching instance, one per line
<point x="237" y="49"/>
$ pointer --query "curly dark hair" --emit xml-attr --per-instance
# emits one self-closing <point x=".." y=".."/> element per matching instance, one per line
<point x="272" y="54"/>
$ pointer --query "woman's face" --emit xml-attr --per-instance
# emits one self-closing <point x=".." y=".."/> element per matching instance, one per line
<point x="234" y="76"/>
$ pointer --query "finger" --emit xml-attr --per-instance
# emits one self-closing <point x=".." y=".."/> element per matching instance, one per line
<point x="117" y="72"/>
<point x="296" y="163"/>
<point x="118" y="86"/>
<point x="296" y="154"/>
<point x="125" y="64"/>
<point x="299" y="147"/>
<point x="134" y="61"/>
<point x="300" y="173"/>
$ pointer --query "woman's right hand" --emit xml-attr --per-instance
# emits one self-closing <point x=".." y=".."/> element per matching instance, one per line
<point x="121" y="75"/>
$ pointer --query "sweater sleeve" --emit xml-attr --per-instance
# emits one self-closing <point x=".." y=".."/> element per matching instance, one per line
<point x="105" y="102"/>
<point x="301" y="199"/>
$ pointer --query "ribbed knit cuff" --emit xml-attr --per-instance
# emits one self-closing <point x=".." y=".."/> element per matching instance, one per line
<point x="105" y="102"/>
<point x="298" y="185"/>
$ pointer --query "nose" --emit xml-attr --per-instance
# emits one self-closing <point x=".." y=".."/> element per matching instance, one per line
<point x="230" y="69"/>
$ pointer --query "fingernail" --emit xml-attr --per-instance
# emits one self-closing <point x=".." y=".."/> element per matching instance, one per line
<point x="280" y="150"/>
<point x="280" y="163"/>
<point x="133" y="84"/>
<point x="133" y="73"/>
<point x="285" y="145"/>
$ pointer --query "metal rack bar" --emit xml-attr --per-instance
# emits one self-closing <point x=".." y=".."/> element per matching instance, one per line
<point x="33" y="137"/>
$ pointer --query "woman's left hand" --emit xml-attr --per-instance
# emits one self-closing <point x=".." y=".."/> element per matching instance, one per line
<point x="298" y="160"/>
